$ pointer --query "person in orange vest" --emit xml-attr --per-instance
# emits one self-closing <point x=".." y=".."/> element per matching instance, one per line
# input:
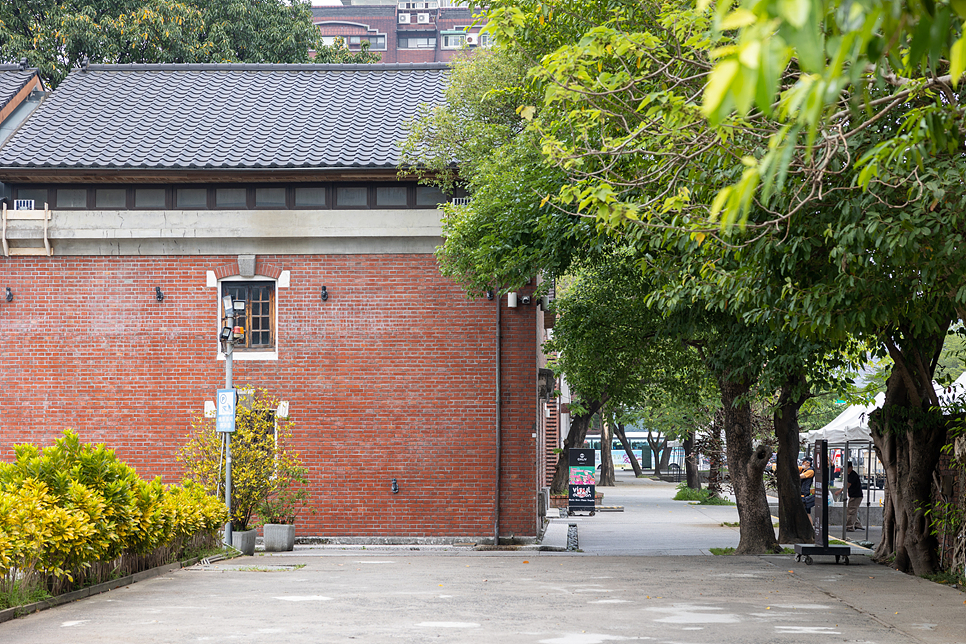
<point x="807" y="476"/>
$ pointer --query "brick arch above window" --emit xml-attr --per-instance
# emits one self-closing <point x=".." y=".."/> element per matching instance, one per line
<point x="262" y="268"/>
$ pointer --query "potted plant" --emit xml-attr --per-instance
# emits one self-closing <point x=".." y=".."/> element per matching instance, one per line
<point x="278" y="510"/>
<point x="263" y="464"/>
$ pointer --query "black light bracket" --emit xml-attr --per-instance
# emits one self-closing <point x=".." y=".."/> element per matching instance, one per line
<point x="9" y="297"/>
<point x="325" y="294"/>
<point x="395" y="487"/>
<point x="158" y="295"/>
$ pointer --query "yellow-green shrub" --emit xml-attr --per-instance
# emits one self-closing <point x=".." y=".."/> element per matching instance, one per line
<point x="263" y="461"/>
<point x="74" y="509"/>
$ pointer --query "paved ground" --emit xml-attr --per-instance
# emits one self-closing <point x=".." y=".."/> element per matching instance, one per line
<point x="617" y="590"/>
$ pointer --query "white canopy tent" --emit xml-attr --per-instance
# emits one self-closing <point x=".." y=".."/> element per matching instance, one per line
<point x="852" y="425"/>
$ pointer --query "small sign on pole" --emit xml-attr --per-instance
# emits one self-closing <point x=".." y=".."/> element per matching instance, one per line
<point x="225" y="420"/>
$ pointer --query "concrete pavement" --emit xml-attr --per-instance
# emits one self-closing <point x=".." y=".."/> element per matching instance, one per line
<point x="613" y="591"/>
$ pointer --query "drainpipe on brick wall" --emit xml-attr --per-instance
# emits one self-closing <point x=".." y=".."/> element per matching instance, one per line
<point x="499" y="414"/>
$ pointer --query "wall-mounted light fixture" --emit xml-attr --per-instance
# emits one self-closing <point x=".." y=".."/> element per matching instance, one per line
<point x="511" y="299"/>
<point x="489" y="294"/>
<point x="325" y="294"/>
<point x="9" y="297"/>
<point x="158" y="295"/>
<point x="395" y="487"/>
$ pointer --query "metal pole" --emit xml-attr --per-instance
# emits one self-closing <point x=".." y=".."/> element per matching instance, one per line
<point x="229" y="346"/>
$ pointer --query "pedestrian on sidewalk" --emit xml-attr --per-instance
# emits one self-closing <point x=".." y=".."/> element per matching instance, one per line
<point x="855" y="500"/>
<point x="807" y="476"/>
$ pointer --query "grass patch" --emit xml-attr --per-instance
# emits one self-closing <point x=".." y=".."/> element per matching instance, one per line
<point x="948" y="578"/>
<point x="731" y="551"/>
<point x="701" y="497"/>
<point x="721" y="551"/>
<point x="20" y="596"/>
<point x="730" y="524"/>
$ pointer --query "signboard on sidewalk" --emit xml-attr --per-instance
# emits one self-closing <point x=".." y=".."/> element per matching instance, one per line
<point x="582" y="486"/>
<point x="225" y="419"/>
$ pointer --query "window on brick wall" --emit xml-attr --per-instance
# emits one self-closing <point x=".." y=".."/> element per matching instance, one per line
<point x="259" y="315"/>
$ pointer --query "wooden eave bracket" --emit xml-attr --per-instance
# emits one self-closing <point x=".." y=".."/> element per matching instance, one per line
<point x="26" y="215"/>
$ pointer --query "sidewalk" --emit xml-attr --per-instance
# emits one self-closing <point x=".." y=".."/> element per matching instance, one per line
<point x="650" y="525"/>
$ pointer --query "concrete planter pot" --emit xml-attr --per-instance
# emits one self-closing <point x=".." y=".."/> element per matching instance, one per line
<point x="244" y="541"/>
<point x="279" y="537"/>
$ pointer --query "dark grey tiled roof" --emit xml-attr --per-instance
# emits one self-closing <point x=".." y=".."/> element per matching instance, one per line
<point x="225" y="116"/>
<point x="12" y="81"/>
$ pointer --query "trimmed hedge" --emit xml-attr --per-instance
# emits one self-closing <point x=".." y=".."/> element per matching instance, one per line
<point x="72" y="515"/>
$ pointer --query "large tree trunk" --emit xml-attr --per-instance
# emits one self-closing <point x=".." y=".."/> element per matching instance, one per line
<point x="909" y="433"/>
<point x="709" y="443"/>
<point x="690" y="463"/>
<point x="622" y="437"/>
<point x="746" y="464"/>
<point x="657" y="450"/>
<point x="575" y="438"/>
<point x="666" y="456"/>
<point x="606" y="477"/>
<point x="793" y="523"/>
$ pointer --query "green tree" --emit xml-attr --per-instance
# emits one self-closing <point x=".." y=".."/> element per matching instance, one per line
<point x="56" y="35"/>
<point x="805" y="158"/>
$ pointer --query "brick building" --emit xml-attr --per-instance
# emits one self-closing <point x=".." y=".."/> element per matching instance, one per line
<point x="421" y="31"/>
<point x="149" y="191"/>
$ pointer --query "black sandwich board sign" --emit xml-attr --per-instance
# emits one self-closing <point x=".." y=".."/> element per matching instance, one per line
<point x="582" y="486"/>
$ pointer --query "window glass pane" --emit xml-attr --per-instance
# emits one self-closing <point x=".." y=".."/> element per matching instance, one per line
<point x="270" y="197"/>
<point x="149" y="198"/>
<point x="71" y="198"/>
<point x="110" y="198"/>
<point x="231" y="198"/>
<point x="394" y="196"/>
<point x="260" y="316"/>
<point x="310" y="196"/>
<point x="257" y="315"/>
<point x="39" y="196"/>
<point x="348" y="197"/>
<point x="429" y="196"/>
<point x="192" y="198"/>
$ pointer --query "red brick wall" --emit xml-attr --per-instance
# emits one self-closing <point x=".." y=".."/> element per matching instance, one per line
<point x="392" y="377"/>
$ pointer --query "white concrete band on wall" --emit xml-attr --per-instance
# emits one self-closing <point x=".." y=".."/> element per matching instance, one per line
<point x="203" y="232"/>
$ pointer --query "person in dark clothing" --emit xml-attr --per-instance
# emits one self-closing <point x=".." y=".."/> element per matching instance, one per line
<point x="807" y="476"/>
<point x="855" y="500"/>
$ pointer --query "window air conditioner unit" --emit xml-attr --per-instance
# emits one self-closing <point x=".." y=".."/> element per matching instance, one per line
<point x="404" y="18"/>
<point x="472" y="39"/>
<point x="422" y="18"/>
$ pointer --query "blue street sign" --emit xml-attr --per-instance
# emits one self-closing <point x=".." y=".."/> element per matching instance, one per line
<point x="225" y="420"/>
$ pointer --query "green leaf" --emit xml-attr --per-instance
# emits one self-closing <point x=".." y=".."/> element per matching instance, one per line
<point x="957" y="58"/>
<point x="794" y="11"/>
<point x="715" y="99"/>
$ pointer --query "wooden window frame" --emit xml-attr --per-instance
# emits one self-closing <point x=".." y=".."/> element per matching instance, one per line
<point x="271" y="317"/>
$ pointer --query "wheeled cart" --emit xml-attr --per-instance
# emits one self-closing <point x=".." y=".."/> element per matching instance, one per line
<point x="820" y="514"/>
<point x="806" y="551"/>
